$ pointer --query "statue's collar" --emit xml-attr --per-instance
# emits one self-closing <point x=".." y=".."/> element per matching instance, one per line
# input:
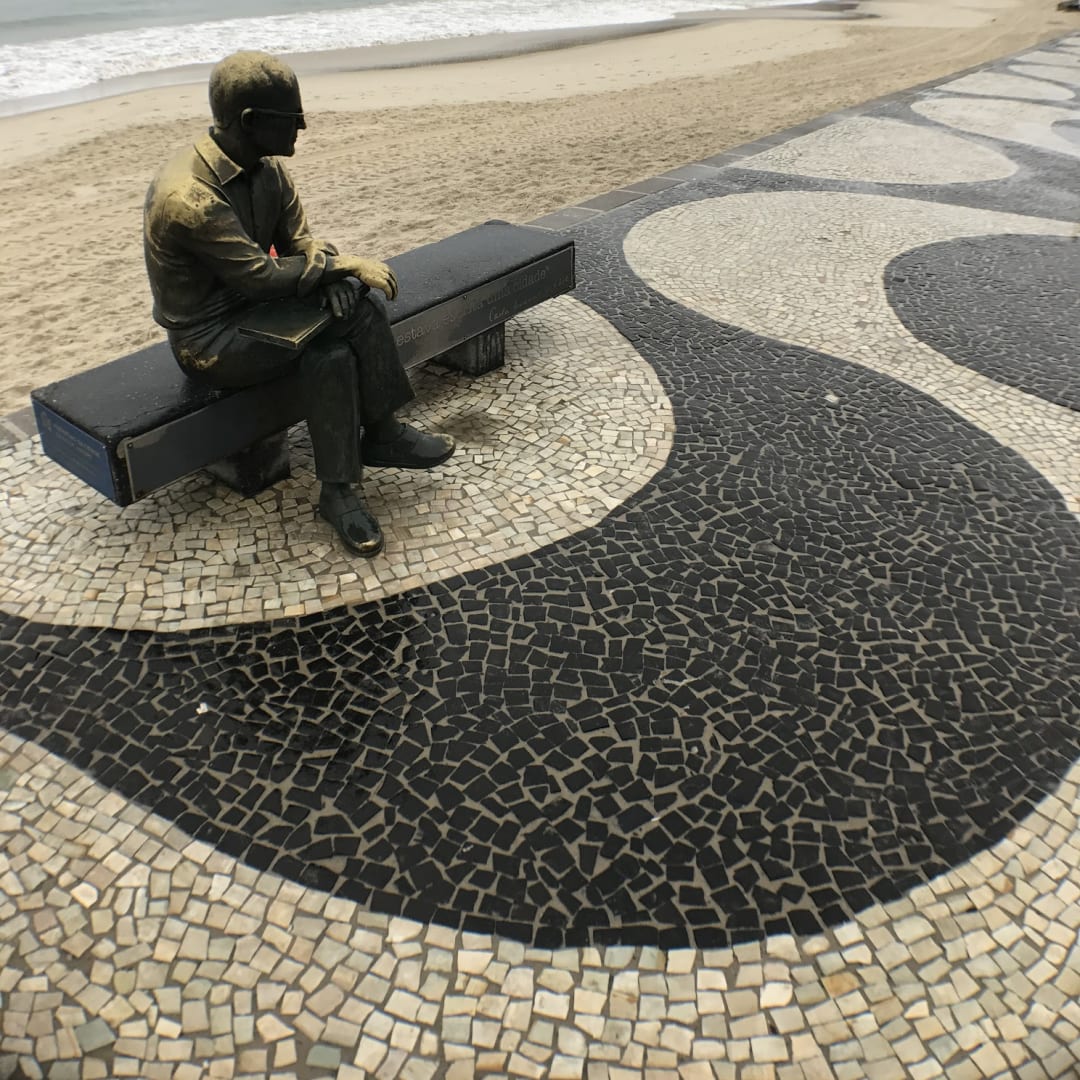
<point x="218" y="162"/>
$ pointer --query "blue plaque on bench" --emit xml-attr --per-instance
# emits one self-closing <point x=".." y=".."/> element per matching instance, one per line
<point x="78" y="451"/>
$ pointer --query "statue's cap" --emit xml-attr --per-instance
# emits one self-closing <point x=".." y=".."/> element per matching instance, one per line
<point x="252" y="80"/>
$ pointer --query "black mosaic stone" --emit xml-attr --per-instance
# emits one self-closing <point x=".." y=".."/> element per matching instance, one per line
<point x="827" y="652"/>
<point x="948" y="295"/>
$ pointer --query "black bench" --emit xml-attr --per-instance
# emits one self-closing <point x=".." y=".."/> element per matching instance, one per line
<point x="138" y="423"/>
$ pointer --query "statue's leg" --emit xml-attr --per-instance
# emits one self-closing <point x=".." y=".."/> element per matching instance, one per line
<point x="330" y="377"/>
<point x="234" y="360"/>
<point x="354" y="384"/>
<point x="331" y="388"/>
<point x="383" y="388"/>
<point x="382" y="383"/>
<point x="351" y="376"/>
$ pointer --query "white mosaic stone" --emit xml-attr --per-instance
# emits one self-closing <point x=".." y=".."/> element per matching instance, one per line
<point x="884" y="151"/>
<point x="573" y="425"/>
<point x="1044" y="56"/>
<point x="1017" y="121"/>
<point x="994" y="84"/>
<point x="1053" y="72"/>
<point x="808" y="268"/>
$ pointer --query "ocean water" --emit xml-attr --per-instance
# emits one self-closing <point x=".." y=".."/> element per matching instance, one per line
<point x="52" y="46"/>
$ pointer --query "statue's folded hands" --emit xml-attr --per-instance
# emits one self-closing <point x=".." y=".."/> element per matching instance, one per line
<point x="341" y="298"/>
<point x="375" y="274"/>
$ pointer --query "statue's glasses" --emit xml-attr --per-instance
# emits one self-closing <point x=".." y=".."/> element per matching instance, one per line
<point x="276" y="114"/>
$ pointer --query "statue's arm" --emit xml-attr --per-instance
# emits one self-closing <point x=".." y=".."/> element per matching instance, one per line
<point x="203" y="224"/>
<point x="206" y="226"/>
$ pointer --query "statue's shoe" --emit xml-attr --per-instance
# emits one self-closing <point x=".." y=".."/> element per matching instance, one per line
<point x="348" y="513"/>
<point x="411" y="449"/>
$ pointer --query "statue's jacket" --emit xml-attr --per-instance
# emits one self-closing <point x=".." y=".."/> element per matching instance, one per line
<point x="208" y="227"/>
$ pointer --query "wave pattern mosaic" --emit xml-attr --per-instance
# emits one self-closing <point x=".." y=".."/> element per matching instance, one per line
<point x="810" y="267"/>
<point x="574" y="424"/>
<point x="253" y="971"/>
<point x="806" y="687"/>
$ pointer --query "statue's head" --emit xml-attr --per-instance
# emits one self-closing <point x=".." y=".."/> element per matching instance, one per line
<point x="256" y="96"/>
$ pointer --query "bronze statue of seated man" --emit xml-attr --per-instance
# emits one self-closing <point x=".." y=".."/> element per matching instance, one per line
<point x="212" y="214"/>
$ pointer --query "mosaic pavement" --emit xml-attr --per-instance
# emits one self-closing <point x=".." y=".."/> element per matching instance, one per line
<point x="731" y="733"/>
<point x="572" y="426"/>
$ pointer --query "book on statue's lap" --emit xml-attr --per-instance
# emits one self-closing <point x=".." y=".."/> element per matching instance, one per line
<point x="289" y="324"/>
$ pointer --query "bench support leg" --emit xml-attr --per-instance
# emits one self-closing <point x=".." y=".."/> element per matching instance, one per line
<point x="263" y="463"/>
<point x="478" y="355"/>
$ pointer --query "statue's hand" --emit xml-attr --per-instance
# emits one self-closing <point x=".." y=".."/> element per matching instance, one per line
<point x="340" y="297"/>
<point x="376" y="274"/>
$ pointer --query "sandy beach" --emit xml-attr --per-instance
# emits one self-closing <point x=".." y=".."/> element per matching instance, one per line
<point x="393" y="158"/>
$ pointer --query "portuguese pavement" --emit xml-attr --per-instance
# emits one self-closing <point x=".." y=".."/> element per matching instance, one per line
<point x="712" y="714"/>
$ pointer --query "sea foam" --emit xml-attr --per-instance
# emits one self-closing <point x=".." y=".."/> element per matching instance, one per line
<point x="32" y="68"/>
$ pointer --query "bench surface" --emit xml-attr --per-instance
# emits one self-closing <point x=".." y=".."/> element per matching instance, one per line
<point x="138" y="422"/>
